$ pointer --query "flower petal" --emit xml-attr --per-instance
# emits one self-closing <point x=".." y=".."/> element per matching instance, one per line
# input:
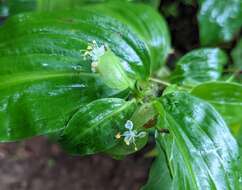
<point x="129" y="125"/>
<point x="141" y="134"/>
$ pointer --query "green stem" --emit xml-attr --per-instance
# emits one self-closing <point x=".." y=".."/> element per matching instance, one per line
<point x="232" y="77"/>
<point x="165" y="83"/>
<point x="160" y="81"/>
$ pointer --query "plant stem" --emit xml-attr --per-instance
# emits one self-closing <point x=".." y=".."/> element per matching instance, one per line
<point x="160" y="81"/>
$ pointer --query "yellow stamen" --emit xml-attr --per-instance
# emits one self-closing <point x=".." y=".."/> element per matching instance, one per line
<point x="127" y="143"/>
<point x="118" y="136"/>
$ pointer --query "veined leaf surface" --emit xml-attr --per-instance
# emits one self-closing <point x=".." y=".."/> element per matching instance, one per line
<point x="200" y="65"/>
<point x="201" y="150"/>
<point x="44" y="77"/>
<point x="93" y="127"/>
<point x="219" y="20"/>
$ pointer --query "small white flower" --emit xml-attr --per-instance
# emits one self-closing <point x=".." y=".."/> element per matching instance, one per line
<point x="94" y="52"/>
<point x="129" y="125"/>
<point x="130" y="135"/>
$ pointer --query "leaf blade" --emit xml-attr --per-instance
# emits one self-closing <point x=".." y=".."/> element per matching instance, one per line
<point x="45" y="77"/>
<point x="200" y="65"/>
<point x="93" y="128"/>
<point x="220" y="19"/>
<point x="225" y="97"/>
<point x="200" y="145"/>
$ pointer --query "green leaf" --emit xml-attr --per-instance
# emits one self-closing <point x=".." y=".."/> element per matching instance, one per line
<point x="20" y="6"/>
<point x="159" y="177"/>
<point x="149" y="25"/>
<point x="113" y="73"/>
<point x="154" y="3"/>
<point x="237" y="55"/>
<point x="93" y="127"/>
<point x="44" y="77"/>
<point x="225" y="97"/>
<point x="40" y="102"/>
<point x="201" y="150"/>
<point x="219" y="20"/>
<point x="199" y="66"/>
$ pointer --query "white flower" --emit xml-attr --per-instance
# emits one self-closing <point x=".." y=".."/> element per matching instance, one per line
<point x="130" y="135"/>
<point x="94" y="52"/>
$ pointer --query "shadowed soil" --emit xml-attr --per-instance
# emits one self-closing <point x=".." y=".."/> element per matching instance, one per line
<point x="38" y="164"/>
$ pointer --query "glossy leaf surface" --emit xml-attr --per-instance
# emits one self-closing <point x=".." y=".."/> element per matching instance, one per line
<point x="39" y="103"/>
<point x="93" y="127"/>
<point x="44" y="77"/>
<point x="150" y="27"/>
<point x="219" y="20"/>
<point x="201" y="150"/>
<point x="226" y="98"/>
<point x="20" y="6"/>
<point x="199" y="66"/>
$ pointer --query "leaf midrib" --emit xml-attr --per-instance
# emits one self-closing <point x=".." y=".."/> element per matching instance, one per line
<point x="221" y="102"/>
<point x="127" y="104"/>
<point x="37" y="76"/>
<point x="184" y="152"/>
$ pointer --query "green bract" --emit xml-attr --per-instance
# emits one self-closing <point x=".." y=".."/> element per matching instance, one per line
<point x="112" y="72"/>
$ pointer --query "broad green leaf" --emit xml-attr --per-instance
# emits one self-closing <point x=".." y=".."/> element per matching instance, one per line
<point x="199" y="66"/>
<point x="44" y="77"/>
<point x="38" y="102"/>
<point x="237" y="55"/>
<point x="219" y="20"/>
<point x="201" y="150"/>
<point x="227" y="99"/>
<point x="20" y="6"/>
<point x="150" y="26"/>
<point x="93" y="127"/>
<point x="112" y="72"/>
<point x="159" y="176"/>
